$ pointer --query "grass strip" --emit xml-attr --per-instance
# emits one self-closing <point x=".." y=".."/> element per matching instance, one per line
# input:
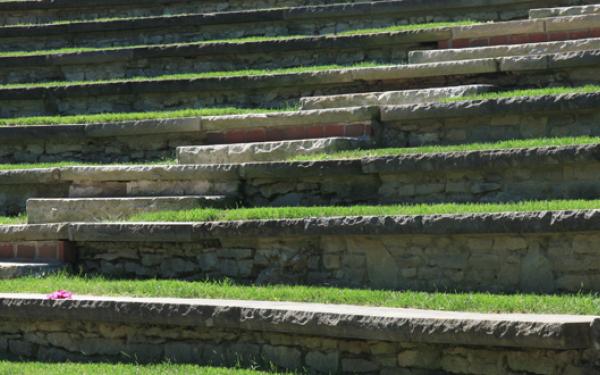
<point x="502" y="145"/>
<point x="526" y="92"/>
<point x="581" y="303"/>
<point x="248" y="39"/>
<point x="11" y="368"/>
<point x="193" y="76"/>
<point x="17" y="166"/>
<point x="13" y="220"/>
<point x="135" y="116"/>
<point x="266" y="213"/>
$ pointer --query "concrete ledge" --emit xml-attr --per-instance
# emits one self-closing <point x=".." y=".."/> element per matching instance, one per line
<point x="403" y="97"/>
<point x="41" y="211"/>
<point x="343" y="321"/>
<point x="527" y="49"/>
<point x="12" y="270"/>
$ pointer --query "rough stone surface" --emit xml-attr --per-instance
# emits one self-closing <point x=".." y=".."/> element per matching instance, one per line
<point x="391" y="97"/>
<point x="564" y="11"/>
<point x="265" y="151"/>
<point x="41" y="211"/>
<point x="11" y="270"/>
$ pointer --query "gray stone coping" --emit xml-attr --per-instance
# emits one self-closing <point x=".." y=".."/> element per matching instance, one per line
<point x="337" y="321"/>
<point x="11" y="134"/>
<point x="317" y="78"/>
<point x="458" y="160"/>
<point x="480" y="223"/>
<point x="508" y="222"/>
<point x="492" y="107"/>
<point x="564" y="11"/>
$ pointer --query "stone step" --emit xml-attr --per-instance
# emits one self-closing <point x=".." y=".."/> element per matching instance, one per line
<point x="564" y="11"/>
<point x="527" y="49"/>
<point x="545" y="252"/>
<point x="272" y="90"/>
<point x="566" y="172"/>
<point x="311" y="20"/>
<point x="16" y="269"/>
<point x="293" y="336"/>
<point x="48" y="11"/>
<point x="392" y="97"/>
<point x="40" y="211"/>
<point x="157" y="139"/>
<point x="266" y="151"/>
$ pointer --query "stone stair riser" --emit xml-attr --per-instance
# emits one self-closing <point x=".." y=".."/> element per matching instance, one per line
<point x="292" y="336"/>
<point x="498" y="176"/>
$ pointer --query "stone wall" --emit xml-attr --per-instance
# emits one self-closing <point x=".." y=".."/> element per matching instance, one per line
<point x="295" y="336"/>
<point x="497" y="263"/>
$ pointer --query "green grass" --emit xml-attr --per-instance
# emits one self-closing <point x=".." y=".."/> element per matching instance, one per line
<point x="264" y="213"/>
<point x="502" y="145"/>
<point x="191" y="76"/>
<point x="134" y="116"/>
<point x="582" y="304"/>
<point x="11" y="368"/>
<point x="527" y="92"/>
<point x="248" y="39"/>
<point x="58" y="164"/>
<point x="13" y="220"/>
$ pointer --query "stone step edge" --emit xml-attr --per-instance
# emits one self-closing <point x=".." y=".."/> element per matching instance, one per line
<point x="477" y="223"/>
<point x="346" y="76"/>
<point x="564" y="11"/>
<point x="505" y="50"/>
<point x="330" y="116"/>
<point x="386" y="164"/>
<point x="513" y="29"/>
<point x="355" y="322"/>
<point x="15" y="269"/>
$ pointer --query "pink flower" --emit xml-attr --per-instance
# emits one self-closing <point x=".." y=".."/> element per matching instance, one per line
<point x="60" y="294"/>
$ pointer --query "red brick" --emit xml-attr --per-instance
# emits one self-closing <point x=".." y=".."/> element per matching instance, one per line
<point x="558" y="36"/>
<point x="334" y="131"/>
<point x="479" y="42"/>
<point x="315" y="131"/>
<point x="356" y="130"/>
<point x="538" y="38"/>
<point x="66" y="252"/>
<point x="579" y="34"/>
<point x="6" y="250"/>
<point x="460" y="43"/>
<point x="47" y="250"/>
<point x="444" y="44"/>
<point x="275" y="134"/>
<point x="594" y="33"/>
<point x="256" y="135"/>
<point x="215" y="138"/>
<point x="235" y="136"/>
<point x="297" y="132"/>
<point x="499" y="39"/>
<point x="519" y="39"/>
<point x="26" y="250"/>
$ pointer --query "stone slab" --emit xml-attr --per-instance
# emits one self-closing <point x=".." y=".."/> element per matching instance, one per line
<point x="12" y="270"/>
<point x="391" y="97"/>
<point x="527" y="49"/>
<point x="41" y="211"/>
<point x="338" y="321"/>
<point x="564" y="11"/>
<point x="265" y="151"/>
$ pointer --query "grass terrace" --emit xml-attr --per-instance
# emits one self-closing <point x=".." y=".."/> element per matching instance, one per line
<point x="11" y="368"/>
<point x="13" y="220"/>
<point x="527" y="92"/>
<point x="274" y="213"/>
<point x="580" y="304"/>
<point x="18" y="166"/>
<point x="136" y="116"/>
<point x="502" y="145"/>
<point x="202" y="75"/>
